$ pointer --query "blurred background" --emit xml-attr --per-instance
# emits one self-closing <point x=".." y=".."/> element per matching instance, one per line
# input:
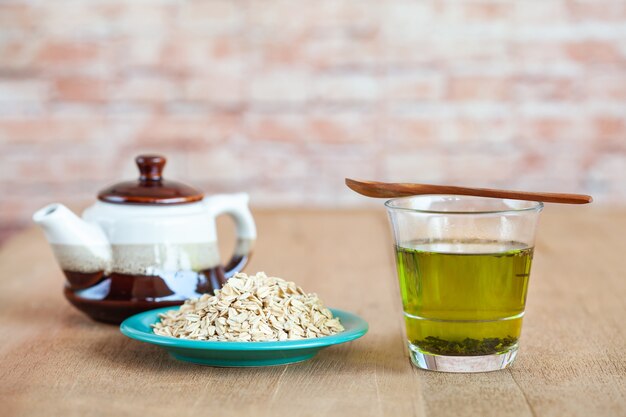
<point x="284" y="98"/>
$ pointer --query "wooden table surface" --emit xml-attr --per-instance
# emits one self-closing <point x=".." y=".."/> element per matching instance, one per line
<point x="56" y="362"/>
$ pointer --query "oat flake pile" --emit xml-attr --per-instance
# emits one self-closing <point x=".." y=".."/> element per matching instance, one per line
<point x="251" y="308"/>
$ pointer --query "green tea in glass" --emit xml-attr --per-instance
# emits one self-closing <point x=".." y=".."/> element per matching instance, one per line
<point x="463" y="266"/>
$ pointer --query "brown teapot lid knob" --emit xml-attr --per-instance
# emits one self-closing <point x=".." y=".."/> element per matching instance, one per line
<point x="150" y="167"/>
<point x="151" y="188"/>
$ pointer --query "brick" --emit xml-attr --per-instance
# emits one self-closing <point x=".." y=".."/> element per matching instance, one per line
<point x="440" y="33"/>
<point x="17" y="55"/>
<point x="475" y="54"/>
<point x="605" y="178"/>
<point x="407" y="20"/>
<point x="198" y="18"/>
<point x="488" y="11"/>
<point x="81" y="89"/>
<point x="558" y="168"/>
<point x="216" y="88"/>
<point x="411" y="131"/>
<point x="68" y="53"/>
<point x="51" y="129"/>
<point x="530" y="13"/>
<point x="342" y="127"/>
<point x="482" y="169"/>
<point x="268" y="22"/>
<point x="360" y="16"/>
<point x="610" y="127"/>
<point x="595" y="52"/>
<point x="220" y="165"/>
<point x="419" y="165"/>
<point x="276" y="54"/>
<point x="17" y="19"/>
<point x="182" y="56"/>
<point x="144" y="53"/>
<point x="346" y="88"/>
<point x="189" y="131"/>
<point x="541" y="52"/>
<point x="280" y="163"/>
<point x="287" y="86"/>
<point x="477" y="88"/>
<point x="275" y="127"/>
<point x="138" y="18"/>
<point x="332" y="167"/>
<point x="490" y="132"/>
<point x="475" y="14"/>
<point x="188" y="56"/>
<point x="604" y="85"/>
<point x="54" y="163"/>
<point x="597" y="10"/>
<point x="88" y="20"/>
<point x="413" y="86"/>
<point x="546" y="88"/>
<point x="552" y="183"/>
<point x="80" y="168"/>
<point x="306" y="19"/>
<point x="23" y="90"/>
<point x="548" y="128"/>
<point x="344" y="52"/>
<point x="145" y="89"/>
<point x="356" y="162"/>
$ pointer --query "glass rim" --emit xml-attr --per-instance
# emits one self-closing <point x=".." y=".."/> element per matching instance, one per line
<point x="535" y="206"/>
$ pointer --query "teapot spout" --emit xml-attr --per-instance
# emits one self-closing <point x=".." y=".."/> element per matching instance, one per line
<point x="69" y="234"/>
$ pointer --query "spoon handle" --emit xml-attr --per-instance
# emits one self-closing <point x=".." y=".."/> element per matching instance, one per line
<point x="390" y="190"/>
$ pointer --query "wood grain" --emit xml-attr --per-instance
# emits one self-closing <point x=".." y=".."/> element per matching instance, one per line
<point x="55" y="361"/>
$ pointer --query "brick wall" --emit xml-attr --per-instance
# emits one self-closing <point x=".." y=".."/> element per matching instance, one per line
<point x="284" y="98"/>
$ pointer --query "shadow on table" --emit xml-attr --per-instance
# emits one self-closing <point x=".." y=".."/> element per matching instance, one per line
<point x="370" y="353"/>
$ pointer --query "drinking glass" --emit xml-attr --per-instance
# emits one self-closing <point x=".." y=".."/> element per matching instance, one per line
<point x="463" y="264"/>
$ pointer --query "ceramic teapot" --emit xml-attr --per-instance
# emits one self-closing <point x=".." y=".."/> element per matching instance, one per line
<point x="144" y="244"/>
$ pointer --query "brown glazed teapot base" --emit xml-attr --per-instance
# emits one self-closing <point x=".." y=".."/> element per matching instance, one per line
<point x="113" y="311"/>
<point x="117" y="296"/>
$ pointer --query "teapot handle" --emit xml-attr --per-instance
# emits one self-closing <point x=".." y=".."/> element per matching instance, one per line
<point x="236" y="206"/>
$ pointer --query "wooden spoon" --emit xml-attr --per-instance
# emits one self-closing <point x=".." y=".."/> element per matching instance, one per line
<point x="396" y="189"/>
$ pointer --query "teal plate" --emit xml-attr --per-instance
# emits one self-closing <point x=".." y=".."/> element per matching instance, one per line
<point x="240" y="354"/>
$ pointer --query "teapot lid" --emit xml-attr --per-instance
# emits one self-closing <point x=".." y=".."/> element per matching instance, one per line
<point x="150" y="188"/>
